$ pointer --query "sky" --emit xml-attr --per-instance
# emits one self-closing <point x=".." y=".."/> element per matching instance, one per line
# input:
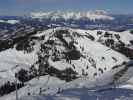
<point x="25" y="7"/>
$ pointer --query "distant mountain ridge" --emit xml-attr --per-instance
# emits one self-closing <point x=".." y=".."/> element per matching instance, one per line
<point x="98" y="19"/>
<point x="55" y="15"/>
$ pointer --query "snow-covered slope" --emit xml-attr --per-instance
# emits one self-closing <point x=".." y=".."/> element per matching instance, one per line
<point x="85" y="94"/>
<point x="9" y="21"/>
<point x="91" y="15"/>
<point x="71" y="57"/>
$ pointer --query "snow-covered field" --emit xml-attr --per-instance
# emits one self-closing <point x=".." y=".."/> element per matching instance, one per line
<point x="52" y="89"/>
<point x="85" y="94"/>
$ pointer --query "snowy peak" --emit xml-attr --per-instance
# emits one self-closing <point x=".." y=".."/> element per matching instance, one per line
<point x="90" y="15"/>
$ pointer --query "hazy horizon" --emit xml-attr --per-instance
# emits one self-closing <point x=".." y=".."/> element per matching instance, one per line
<point x="25" y="7"/>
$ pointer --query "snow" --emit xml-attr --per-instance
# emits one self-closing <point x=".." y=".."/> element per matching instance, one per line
<point x="125" y="36"/>
<point x="85" y="94"/>
<point x="92" y="49"/>
<point x="61" y="65"/>
<point x="34" y="85"/>
<point x="9" y="21"/>
<point x="77" y="89"/>
<point x="11" y="57"/>
<point x="92" y="15"/>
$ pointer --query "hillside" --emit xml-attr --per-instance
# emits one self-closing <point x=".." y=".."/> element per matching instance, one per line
<point x="69" y="57"/>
